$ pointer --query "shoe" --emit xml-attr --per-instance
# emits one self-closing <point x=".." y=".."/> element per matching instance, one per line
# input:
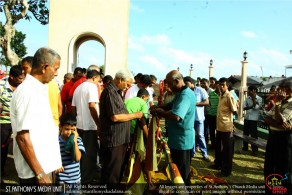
<point x="206" y="158"/>
<point x="198" y="149"/>
<point x="215" y="167"/>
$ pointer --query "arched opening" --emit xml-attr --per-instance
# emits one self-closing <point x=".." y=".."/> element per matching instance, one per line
<point x="85" y="49"/>
<point x="90" y="52"/>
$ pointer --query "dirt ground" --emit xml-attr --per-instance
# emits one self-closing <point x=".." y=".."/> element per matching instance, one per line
<point x="247" y="169"/>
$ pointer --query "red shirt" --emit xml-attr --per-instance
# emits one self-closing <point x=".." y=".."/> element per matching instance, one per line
<point x="65" y="95"/>
<point x="76" y="84"/>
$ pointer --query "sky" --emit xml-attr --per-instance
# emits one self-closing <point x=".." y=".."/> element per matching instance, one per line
<point x="167" y="34"/>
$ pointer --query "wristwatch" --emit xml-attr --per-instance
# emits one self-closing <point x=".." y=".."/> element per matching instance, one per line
<point x="41" y="175"/>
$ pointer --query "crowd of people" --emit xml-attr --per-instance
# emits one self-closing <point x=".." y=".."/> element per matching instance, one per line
<point x="65" y="133"/>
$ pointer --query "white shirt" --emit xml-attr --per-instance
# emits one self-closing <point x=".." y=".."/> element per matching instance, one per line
<point x="254" y="113"/>
<point x="84" y="94"/>
<point x="201" y="95"/>
<point x="30" y="110"/>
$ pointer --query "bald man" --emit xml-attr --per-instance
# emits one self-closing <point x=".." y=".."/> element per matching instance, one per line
<point x="180" y="114"/>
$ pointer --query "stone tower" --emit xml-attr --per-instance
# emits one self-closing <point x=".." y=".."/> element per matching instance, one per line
<point x="73" y="22"/>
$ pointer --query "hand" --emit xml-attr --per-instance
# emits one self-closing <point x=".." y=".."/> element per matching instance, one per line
<point x="281" y="95"/>
<point x="287" y="126"/>
<point x="59" y="170"/>
<point x="138" y="115"/>
<point x="76" y="135"/>
<point x="44" y="180"/>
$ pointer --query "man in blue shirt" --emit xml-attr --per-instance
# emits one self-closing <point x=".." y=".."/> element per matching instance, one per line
<point x="180" y="114"/>
<point x="202" y="99"/>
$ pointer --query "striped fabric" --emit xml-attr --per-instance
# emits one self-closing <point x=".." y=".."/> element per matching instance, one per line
<point x="111" y="103"/>
<point x="5" y="99"/>
<point x="71" y="173"/>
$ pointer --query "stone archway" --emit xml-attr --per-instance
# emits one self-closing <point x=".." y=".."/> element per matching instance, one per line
<point x="72" y="22"/>
<point x="76" y="42"/>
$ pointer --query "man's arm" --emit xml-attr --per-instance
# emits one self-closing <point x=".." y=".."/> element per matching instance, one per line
<point x="93" y="112"/>
<point x="203" y="103"/>
<point x="165" y="114"/>
<point x="126" y="117"/>
<point x="27" y="151"/>
<point x="60" y="105"/>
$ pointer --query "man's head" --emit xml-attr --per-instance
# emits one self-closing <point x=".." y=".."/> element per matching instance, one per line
<point x="67" y="124"/>
<point x="137" y="77"/>
<point x="93" y="67"/>
<point x="286" y="86"/>
<point x="189" y="81"/>
<point x="198" y="81"/>
<point x="213" y="80"/>
<point x="223" y="84"/>
<point x="252" y="90"/>
<point x="67" y="77"/>
<point x="122" y="78"/>
<point x="153" y="80"/>
<point x="174" y="80"/>
<point x="45" y="65"/>
<point x="26" y="64"/>
<point x="145" y="81"/>
<point x="16" y="75"/>
<point x="78" y="74"/>
<point x="106" y="80"/>
<point x="94" y="75"/>
<point x="205" y="83"/>
<point x="143" y="94"/>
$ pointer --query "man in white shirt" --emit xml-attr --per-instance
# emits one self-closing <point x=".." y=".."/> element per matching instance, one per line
<point x="36" y="148"/>
<point x="252" y="106"/>
<point x="85" y="104"/>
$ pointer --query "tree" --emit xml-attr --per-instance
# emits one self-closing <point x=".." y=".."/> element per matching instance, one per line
<point x="14" y="11"/>
<point x="17" y="45"/>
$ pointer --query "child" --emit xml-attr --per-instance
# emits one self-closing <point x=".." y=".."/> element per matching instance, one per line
<point x="138" y="104"/>
<point x="70" y="172"/>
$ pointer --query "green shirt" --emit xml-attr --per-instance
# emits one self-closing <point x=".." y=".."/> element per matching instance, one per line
<point x="213" y="99"/>
<point x="136" y="104"/>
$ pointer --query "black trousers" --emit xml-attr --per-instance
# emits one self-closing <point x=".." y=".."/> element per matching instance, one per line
<point x="211" y="120"/>
<point x="89" y="158"/>
<point x="278" y="158"/>
<point x="113" y="160"/>
<point x="250" y="128"/>
<point x="6" y="131"/>
<point x="182" y="159"/>
<point x="224" y="151"/>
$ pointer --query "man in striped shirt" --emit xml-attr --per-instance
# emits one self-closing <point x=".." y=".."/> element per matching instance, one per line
<point x="115" y="127"/>
<point x="7" y="86"/>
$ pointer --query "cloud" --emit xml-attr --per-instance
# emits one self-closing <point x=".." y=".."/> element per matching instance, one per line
<point x="151" y="60"/>
<point x="249" y="34"/>
<point x="139" y="43"/>
<point x="272" y="61"/>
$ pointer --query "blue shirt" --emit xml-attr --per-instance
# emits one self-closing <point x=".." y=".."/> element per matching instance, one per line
<point x="181" y="134"/>
<point x="71" y="173"/>
<point x="201" y="95"/>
